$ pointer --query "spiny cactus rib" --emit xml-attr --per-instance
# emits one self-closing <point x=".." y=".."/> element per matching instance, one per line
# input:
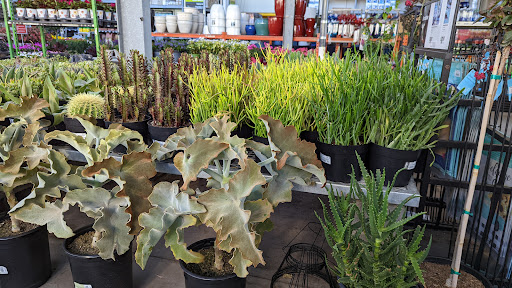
<point x="85" y="104"/>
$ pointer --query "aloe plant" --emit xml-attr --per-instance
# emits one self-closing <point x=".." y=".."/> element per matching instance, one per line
<point x="369" y="241"/>
<point x="25" y="158"/>
<point x="238" y="202"/>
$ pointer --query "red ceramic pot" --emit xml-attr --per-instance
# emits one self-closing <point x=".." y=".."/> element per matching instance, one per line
<point x="275" y="26"/>
<point x="310" y="32"/>
<point x="279" y="8"/>
<point x="299" y="27"/>
<point x="310" y="23"/>
<point x="300" y="7"/>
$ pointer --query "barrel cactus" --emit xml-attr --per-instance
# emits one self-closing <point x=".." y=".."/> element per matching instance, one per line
<point x="85" y="104"/>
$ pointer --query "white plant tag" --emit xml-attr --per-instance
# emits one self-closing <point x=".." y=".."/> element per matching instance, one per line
<point x="81" y="134"/>
<point x="78" y="285"/>
<point x="160" y="142"/>
<point x="410" y="165"/>
<point x="3" y="270"/>
<point x="326" y="159"/>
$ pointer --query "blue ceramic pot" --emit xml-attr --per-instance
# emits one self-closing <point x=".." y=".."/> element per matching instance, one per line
<point x="250" y="29"/>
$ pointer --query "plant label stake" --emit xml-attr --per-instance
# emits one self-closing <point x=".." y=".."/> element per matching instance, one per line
<point x="459" y="244"/>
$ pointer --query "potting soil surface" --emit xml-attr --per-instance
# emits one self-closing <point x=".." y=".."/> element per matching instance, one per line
<point x="82" y="245"/>
<point x="436" y="274"/>
<point x="205" y="268"/>
<point x="6" y="228"/>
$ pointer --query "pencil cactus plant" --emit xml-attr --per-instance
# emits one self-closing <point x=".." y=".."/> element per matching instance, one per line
<point x="238" y="202"/>
<point x="369" y="241"/>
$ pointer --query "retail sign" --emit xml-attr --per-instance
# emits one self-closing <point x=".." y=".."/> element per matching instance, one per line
<point x="194" y="4"/>
<point x="440" y="23"/>
<point x="21" y="29"/>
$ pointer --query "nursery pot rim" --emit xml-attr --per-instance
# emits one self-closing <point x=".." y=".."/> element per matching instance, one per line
<point x="165" y="127"/>
<point x="22" y="234"/>
<point x="200" y="277"/>
<point x="384" y="147"/>
<point x="468" y="269"/>
<point x="78" y="232"/>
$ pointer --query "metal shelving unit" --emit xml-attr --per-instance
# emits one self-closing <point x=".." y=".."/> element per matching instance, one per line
<point x="397" y="195"/>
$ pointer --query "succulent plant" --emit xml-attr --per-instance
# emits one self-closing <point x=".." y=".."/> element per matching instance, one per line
<point x="238" y="202"/>
<point x="86" y="104"/>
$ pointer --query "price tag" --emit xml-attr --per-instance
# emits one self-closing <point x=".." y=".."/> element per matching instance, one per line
<point x="410" y="165"/>
<point x="325" y="159"/>
<point x="3" y="270"/>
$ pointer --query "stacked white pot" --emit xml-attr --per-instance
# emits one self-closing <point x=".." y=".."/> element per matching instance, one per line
<point x="171" y="23"/>
<point x="196" y="22"/>
<point x="160" y="24"/>
<point x="185" y="22"/>
<point x="233" y="20"/>
<point x="200" y="23"/>
<point x="244" y="22"/>
<point x="217" y="19"/>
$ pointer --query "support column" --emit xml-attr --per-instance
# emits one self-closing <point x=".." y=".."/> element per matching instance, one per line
<point x="289" y="18"/>
<point x="135" y="26"/>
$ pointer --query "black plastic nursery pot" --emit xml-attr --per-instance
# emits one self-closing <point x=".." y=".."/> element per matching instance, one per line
<point x="53" y="127"/>
<point x="96" y="272"/>
<point x="392" y="160"/>
<point x="465" y="268"/>
<point x="243" y="131"/>
<point x="158" y="133"/>
<point x="310" y="136"/>
<point x="25" y="259"/>
<point x="73" y="125"/>
<point x="259" y="139"/>
<point x="338" y="161"/>
<point x="193" y="280"/>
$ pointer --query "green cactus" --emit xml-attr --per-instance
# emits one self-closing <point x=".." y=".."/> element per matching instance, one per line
<point x="85" y="104"/>
<point x="369" y="242"/>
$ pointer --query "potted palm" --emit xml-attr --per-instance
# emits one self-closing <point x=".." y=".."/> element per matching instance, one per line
<point x="24" y="159"/>
<point x="237" y="204"/>
<point x="369" y="240"/>
<point x="92" y="250"/>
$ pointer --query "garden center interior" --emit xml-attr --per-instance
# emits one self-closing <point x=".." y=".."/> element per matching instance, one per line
<point x="243" y="143"/>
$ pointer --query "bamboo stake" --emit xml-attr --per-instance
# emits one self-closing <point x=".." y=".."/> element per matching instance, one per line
<point x="500" y="62"/>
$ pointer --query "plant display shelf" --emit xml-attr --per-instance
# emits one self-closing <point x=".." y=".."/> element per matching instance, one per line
<point x="52" y="23"/>
<point x="397" y="195"/>
<point x="224" y="36"/>
<point x="472" y="25"/>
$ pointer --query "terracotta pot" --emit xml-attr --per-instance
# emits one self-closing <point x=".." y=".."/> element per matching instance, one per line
<point x="300" y="7"/>
<point x="299" y="27"/>
<point x="275" y="26"/>
<point x="279" y="8"/>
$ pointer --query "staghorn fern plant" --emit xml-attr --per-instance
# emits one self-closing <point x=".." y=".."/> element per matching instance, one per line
<point x="368" y="241"/>
<point x="238" y="202"/>
<point x="86" y="104"/>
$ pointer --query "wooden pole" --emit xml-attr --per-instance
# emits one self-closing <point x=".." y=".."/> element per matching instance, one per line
<point x="499" y="65"/>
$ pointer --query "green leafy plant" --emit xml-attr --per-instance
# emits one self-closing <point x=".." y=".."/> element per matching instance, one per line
<point x="369" y="240"/>
<point x="499" y="16"/>
<point x="220" y="91"/>
<point x="238" y="202"/>
<point x="85" y="104"/>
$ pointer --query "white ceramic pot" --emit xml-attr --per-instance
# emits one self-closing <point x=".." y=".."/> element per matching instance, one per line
<point x="208" y="22"/>
<point x="195" y="23"/>
<point x="52" y="13"/>
<point x="63" y="13"/>
<point x="217" y="22"/>
<point x="160" y="27"/>
<point x="108" y="15"/>
<point x="73" y="13"/>
<point x="185" y="26"/>
<point x="159" y="19"/>
<point x="184" y="16"/>
<point x="217" y="30"/>
<point x="233" y="23"/>
<point x="233" y="30"/>
<point x="31" y="12"/>
<point x="172" y="27"/>
<point x="41" y="13"/>
<point x="217" y="11"/>
<point x="83" y="13"/>
<point x="20" y="12"/>
<point x="233" y="12"/>
<point x="191" y="10"/>
<point x="100" y="14"/>
<point x="171" y="18"/>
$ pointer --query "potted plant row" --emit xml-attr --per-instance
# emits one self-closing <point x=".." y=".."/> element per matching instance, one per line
<point x="63" y="10"/>
<point x="139" y="211"/>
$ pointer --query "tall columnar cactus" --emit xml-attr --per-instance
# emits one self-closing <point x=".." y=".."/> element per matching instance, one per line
<point x="86" y="104"/>
<point x="369" y="240"/>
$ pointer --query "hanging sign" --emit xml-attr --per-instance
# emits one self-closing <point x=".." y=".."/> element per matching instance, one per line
<point x="21" y="29"/>
<point x="194" y="4"/>
<point x="440" y="23"/>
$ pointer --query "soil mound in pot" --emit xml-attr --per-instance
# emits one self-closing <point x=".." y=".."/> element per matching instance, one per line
<point x="82" y="245"/>
<point x="6" y="226"/>
<point x="436" y="274"/>
<point x="206" y="268"/>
